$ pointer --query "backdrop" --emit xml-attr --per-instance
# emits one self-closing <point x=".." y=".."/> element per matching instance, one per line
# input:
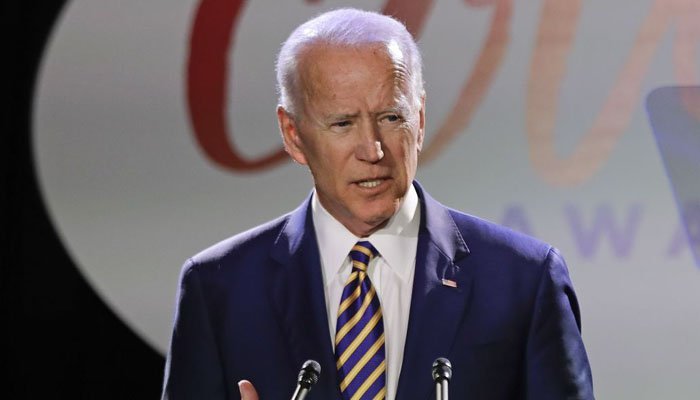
<point x="153" y="135"/>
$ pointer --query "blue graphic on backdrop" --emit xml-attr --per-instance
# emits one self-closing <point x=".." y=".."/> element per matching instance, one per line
<point x="674" y="114"/>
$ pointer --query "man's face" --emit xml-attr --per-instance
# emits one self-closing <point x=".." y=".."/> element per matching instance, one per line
<point x="358" y="131"/>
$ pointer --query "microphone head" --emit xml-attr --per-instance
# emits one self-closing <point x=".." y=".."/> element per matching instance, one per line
<point x="442" y="369"/>
<point x="309" y="374"/>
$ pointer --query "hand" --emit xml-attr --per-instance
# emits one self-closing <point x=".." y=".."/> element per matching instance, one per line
<point x="247" y="390"/>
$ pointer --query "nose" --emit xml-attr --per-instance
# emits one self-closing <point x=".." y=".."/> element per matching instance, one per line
<point x="369" y="146"/>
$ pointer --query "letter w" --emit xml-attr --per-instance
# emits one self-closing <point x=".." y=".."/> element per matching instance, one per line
<point x="588" y="238"/>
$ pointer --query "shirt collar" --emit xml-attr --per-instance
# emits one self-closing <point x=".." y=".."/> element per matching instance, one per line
<point x="392" y="241"/>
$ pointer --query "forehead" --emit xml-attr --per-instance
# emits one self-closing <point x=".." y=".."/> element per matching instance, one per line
<point x="332" y="72"/>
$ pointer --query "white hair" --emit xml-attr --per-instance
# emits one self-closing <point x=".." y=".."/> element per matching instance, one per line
<point x="352" y="28"/>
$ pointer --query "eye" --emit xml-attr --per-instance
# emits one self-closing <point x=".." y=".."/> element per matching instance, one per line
<point x="341" y="124"/>
<point x="391" y="118"/>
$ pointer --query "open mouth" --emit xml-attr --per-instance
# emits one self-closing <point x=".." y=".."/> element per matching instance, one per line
<point x="370" y="183"/>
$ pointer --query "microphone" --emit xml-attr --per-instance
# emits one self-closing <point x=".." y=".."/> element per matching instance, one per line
<point x="442" y="373"/>
<point x="308" y="376"/>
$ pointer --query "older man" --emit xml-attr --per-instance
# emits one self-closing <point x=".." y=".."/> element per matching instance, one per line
<point x="370" y="276"/>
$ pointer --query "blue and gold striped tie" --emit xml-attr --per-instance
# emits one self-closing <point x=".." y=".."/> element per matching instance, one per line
<point x="359" y="337"/>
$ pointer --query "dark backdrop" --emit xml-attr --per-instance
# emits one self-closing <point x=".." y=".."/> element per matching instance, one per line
<point x="59" y="340"/>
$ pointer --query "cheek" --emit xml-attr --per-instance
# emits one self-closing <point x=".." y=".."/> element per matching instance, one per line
<point x="409" y="148"/>
<point x="328" y="167"/>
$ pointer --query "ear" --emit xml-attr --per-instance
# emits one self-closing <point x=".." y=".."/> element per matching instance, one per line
<point x="421" y="123"/>
<point x="293" y="144"/>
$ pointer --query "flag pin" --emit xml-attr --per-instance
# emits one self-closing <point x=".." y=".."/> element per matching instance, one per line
<point x="449" y="282"/>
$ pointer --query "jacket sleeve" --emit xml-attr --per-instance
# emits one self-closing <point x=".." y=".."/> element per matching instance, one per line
<point x="556" y="362"/>
<point x="193" y="367"/>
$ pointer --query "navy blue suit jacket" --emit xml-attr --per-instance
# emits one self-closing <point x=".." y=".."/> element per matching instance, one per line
<point x="253" y="307"/>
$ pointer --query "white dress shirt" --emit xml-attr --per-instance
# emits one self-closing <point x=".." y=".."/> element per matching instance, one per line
<point x="391" y="272"/>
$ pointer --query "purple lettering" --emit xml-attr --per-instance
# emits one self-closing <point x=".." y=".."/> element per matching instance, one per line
<point x="687" y="235"/>
<point x="588" y="239"/>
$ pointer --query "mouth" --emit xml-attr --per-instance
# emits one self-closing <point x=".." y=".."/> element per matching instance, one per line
<point x="370" y="183"/>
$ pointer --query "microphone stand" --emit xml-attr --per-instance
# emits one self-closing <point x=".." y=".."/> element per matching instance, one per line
<point x="442" y="373"/>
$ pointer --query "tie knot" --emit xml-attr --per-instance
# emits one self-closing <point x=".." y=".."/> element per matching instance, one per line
<point x="361" y="254"/>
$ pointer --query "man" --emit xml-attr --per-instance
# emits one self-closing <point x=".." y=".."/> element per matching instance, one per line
<point x="370" y="276"/>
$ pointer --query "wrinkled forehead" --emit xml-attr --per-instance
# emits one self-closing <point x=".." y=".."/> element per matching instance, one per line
<point x="322" y="65"/>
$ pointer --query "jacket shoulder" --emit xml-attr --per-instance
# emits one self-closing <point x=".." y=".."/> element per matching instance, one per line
<point x="254" y="243"/>
<point x="486" y="236"/>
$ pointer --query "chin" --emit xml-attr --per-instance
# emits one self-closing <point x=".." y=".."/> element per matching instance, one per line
<point x="380" y="215"/>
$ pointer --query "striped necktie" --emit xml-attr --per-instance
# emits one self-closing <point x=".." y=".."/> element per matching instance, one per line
<point x="359" y="337"/>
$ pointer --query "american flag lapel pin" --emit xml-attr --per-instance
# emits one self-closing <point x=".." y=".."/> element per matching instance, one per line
<point x="449" y="282"/>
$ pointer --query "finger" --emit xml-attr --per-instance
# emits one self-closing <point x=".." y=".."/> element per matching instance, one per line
<point x="247" y="390"/>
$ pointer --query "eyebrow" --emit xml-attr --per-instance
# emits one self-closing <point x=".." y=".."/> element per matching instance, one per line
<point x="398" y="109"/>
<point x="335" y="117"/>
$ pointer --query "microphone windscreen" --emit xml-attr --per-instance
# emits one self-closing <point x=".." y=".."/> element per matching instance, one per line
<point x="442" y="369"/>
<point x="309" y="373"/>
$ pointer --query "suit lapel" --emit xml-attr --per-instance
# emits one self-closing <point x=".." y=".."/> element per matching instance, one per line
<point x="297" y="294"/>
<point x="437" y="308"/>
